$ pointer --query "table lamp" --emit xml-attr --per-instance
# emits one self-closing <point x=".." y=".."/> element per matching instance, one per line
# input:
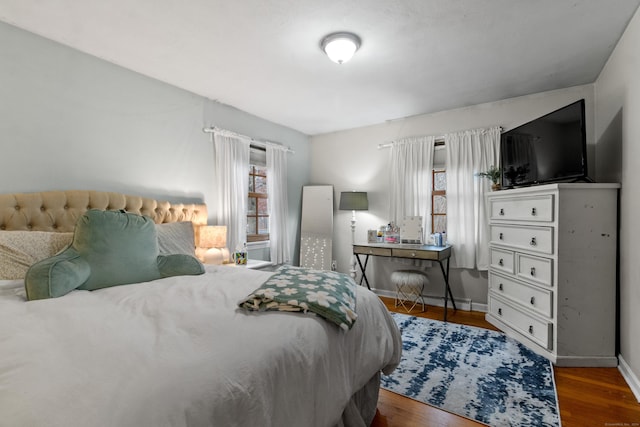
<point x="211" y="242"/>
<point x="353" y="201"/>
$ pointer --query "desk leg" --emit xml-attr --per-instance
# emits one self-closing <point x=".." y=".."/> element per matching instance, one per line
<point x="362" y="270"/>
<point x="447" y="288"/>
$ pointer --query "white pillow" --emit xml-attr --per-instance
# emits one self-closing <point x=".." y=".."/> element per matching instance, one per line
<point x="176" y="238"/>
<point x="19" y="250"/>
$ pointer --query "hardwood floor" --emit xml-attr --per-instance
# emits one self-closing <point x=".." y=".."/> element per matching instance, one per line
<point x="587" y="396"/>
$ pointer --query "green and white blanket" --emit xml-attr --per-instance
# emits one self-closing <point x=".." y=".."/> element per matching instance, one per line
<point x="328" y="294"/>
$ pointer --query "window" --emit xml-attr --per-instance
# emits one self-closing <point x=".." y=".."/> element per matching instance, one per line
<point x="439" y="201"/>
<point x="257" y="211"/>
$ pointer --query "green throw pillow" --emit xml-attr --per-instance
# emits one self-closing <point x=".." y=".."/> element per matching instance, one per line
<point x="109" y="248"/>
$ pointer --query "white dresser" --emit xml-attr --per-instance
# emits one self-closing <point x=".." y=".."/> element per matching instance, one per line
<point x="552" y="278"/>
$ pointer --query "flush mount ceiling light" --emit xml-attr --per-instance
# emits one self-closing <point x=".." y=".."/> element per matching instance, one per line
<point x="340" y="47"/>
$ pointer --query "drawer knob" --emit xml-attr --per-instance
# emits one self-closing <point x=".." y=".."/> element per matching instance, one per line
<point x="501" y="262"/>
<point x="533" y="241"/>
<point x="533" y="212"/>
<point x="533" y="301"/>
<point x="500" y="236"/>
<point x="501" y="287"/>
<point x="501" y="211"/>
<point x="370" y="251"/>
<point x="413" y="254"/>
<point x="499" y="312"/>
<point x="531" y="329"/>
<point x="533" y="271"/>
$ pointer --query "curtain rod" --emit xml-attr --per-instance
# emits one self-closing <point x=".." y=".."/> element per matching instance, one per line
<point x="257" y="142"/>
<point x="439" y="140"/>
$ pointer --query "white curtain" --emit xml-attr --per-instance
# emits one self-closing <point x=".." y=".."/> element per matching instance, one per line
<point x="278" y="204"/>
<point x="410" y="177"/>
<point x="468" y="153"/>
<point x="231" y="160"/>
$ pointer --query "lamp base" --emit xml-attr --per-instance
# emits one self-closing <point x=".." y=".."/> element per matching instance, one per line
<point x="216" y="256"/>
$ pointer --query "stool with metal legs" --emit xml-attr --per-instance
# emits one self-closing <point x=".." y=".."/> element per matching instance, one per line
<point x="409" y="287"/>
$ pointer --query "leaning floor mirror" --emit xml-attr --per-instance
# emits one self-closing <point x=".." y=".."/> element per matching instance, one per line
<point x="316" y="227"/>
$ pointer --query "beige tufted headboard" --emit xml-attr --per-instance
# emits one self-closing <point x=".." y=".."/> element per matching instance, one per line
<point x="60" y="210"/>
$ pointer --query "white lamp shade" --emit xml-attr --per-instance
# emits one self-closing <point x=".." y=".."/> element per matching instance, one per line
<point x="340" y="47"/>
<point x="211" y="236"/>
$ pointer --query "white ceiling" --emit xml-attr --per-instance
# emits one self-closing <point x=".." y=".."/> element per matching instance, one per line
<point x="417" y="56"/>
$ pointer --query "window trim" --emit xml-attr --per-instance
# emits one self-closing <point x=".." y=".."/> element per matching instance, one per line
<point x="435" y="193"/>
<point x="256" y="237"/>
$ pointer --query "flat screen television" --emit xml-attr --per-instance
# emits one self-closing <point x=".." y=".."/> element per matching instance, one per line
<point x="551" y="148"/>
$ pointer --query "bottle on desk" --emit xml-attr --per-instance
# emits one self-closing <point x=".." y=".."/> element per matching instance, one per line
<point x="439" y="239"/>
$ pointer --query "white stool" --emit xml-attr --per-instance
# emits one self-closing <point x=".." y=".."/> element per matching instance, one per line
<point x="409" y="287"/>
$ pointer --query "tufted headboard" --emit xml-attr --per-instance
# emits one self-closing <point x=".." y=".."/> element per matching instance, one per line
<point x="60" y="210"/>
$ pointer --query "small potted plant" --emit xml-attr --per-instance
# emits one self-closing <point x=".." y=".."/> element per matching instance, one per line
<point x="494" y="175"/>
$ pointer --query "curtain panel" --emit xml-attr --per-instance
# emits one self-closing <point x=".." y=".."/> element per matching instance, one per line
<point x="468" y="153"/>
<point x="410" y="179"/>
<point x="231" y="165"/>
<point x="278" y="204"/>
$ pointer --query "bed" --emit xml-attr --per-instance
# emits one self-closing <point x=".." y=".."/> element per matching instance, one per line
<point x="176" y="351"/>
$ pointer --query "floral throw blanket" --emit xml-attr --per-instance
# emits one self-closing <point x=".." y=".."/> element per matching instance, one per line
<point x="328" y="294"/>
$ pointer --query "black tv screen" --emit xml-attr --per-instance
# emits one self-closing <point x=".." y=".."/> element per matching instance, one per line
<point x="548" y="149"/>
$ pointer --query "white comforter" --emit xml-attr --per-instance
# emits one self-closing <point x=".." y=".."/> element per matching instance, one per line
<point x="177" y="352"/>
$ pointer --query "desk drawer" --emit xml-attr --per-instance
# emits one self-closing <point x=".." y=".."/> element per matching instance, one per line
<point x="537" y="330"/>
<point x="368" y="250"/>
<point x="412" y="253"/>
<point x="535" y="269"/>
<point x="532" y="297"/>
<point x="535" y="208"/>
<point x="537" y="239"/>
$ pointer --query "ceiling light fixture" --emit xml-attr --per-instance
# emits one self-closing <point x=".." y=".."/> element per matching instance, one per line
<point x="340" y="47"/>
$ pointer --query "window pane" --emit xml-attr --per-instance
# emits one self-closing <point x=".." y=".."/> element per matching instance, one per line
<point x="260" y="170"/>
<point x="439" y="223"/>
<point x="261" y="185"/>
<point x="263" y="225"/>
<point x="262" y="206"/>
<point x="251" y="209"/>
<point x="439" y="204"/>
<point x="440" y="181"/>
<point x="251" y="225"/>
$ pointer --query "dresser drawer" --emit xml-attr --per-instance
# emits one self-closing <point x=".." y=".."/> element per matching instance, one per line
<point x="534" y="208"/>
<point x="537" y="299"/>
<point x="502" y="260"/>
<point x="537" y="239"/>
<point x="368" y="250"/>
<point x="534" y="269"/>
<point x="537" y="330"/>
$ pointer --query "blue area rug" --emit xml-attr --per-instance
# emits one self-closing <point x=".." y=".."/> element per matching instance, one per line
<point x="477" y="373"/>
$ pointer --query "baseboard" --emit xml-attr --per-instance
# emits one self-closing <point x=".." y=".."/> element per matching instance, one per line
<point x="436" y="301"/>
<point x="629" y="377"/>
<point x="589" y="362"/>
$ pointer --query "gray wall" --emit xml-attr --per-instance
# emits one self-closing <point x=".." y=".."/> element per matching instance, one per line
<point x="69" y="120"/>
<point x="617" y="92"/>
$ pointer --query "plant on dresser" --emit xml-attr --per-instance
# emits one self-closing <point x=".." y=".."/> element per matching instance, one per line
<point x="552" y="275"/>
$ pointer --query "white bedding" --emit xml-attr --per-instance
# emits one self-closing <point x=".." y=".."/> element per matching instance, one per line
<point x="177" y="352"/>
